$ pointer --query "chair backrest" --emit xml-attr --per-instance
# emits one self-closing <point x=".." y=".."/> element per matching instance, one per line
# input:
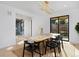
<point x="31" y="45"/>
<point x="59" y="37"/>
<point x="26" y="42"/>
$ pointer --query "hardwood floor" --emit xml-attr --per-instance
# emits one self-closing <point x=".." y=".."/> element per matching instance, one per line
<point x="69" y="50"/>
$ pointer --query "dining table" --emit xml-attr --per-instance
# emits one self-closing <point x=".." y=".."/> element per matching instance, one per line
<point x="42" y="37"/>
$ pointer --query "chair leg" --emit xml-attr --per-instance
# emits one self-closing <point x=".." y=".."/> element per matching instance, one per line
<point x="55" y="52"/>
<point x="39" y="49"/>
<point x="45" y="49"/>
<point x="59" y="49"/>
<point x="62" y="44"/>
<point x="32" y="53"/>
<point x="23" y="50"/>
<point x="39" y="52"/>
<point x="40" y="55"/>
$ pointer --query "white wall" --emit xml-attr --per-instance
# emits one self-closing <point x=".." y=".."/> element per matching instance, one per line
<point x="72" y="10"/>
<point x="27" y="27"/>
<point x="7" y="27"/>
<point x="7" y="24"/>
<point x="38" y="22"/>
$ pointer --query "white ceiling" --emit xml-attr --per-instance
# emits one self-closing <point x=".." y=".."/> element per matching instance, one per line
<point x="34" y="6"/>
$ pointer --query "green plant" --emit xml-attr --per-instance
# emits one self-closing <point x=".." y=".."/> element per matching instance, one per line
<point x="77" y="27"/>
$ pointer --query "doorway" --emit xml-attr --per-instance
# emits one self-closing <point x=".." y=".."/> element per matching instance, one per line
<point x="60" y="24"/>
<point x="23" y="27"/>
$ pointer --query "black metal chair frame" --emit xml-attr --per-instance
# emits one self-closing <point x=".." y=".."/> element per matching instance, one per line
<point x="54" y="43"/>
<point x="51" y="45"/>
<point x="32" y="47"/>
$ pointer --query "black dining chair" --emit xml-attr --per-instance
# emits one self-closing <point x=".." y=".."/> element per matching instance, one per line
<point x="54" y="43"/>
<point x="32" y="47"/>
<point x="58" y="40"/>
<point x="51" y="45"/>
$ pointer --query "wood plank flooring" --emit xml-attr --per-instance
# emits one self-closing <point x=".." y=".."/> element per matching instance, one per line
<point x="69" y="50"/>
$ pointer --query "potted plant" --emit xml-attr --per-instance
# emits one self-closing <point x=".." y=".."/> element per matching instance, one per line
<point x="77" y="27"/>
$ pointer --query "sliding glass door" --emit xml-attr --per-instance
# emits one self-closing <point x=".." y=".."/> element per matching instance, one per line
<point x="60" y="25"/>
